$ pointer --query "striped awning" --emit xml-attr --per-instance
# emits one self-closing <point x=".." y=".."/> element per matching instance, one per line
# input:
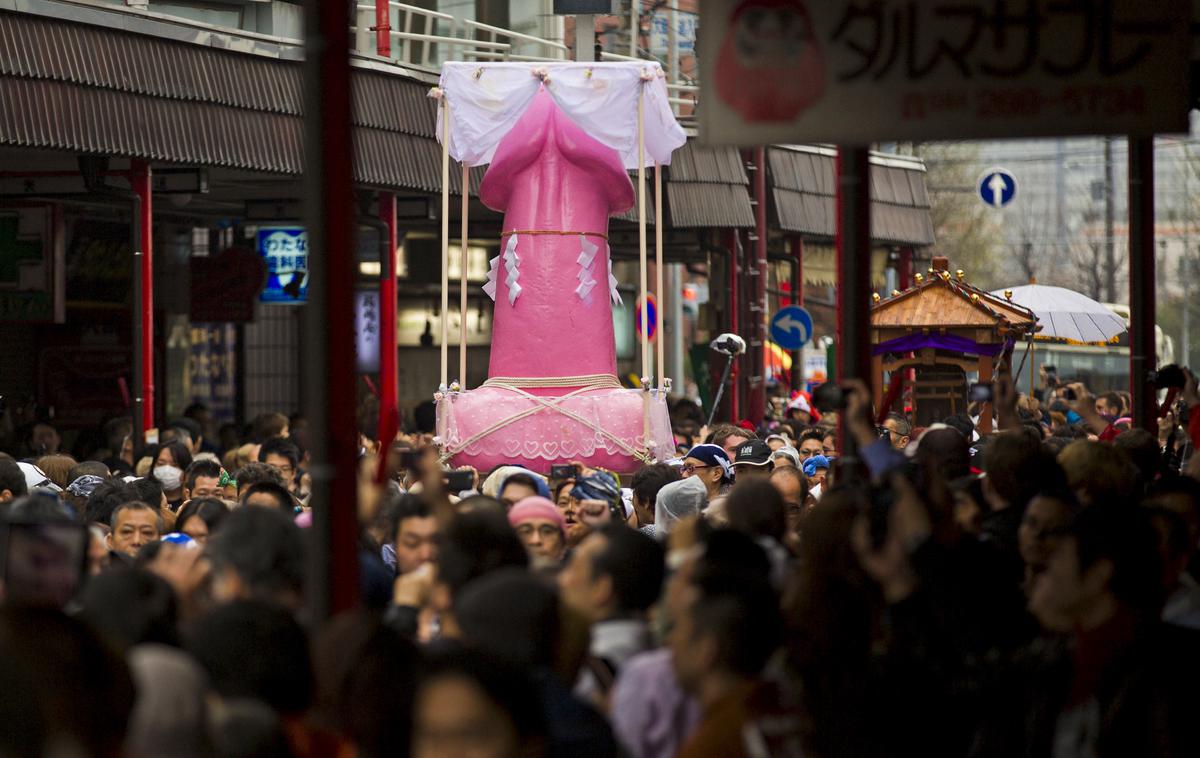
<point x="803" y="188"/>
<point x="92" y="89"/>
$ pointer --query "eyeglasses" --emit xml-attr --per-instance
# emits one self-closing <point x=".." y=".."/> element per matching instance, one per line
<point x="545" y="531"/>
<point x="690" y="468"/>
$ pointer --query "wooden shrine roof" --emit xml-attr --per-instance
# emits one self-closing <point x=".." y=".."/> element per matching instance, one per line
<point x="942" y="300"/>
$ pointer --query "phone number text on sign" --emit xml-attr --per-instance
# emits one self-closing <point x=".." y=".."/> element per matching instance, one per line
<point x="1026" y="102"/>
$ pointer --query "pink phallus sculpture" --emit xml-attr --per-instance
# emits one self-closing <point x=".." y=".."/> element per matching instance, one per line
<point x="552" y="395"/>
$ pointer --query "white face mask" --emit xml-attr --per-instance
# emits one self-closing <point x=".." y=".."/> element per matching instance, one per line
<point x="169" y="477"/>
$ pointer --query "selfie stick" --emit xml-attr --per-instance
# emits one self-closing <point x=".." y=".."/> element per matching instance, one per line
<point x="732" y="346"/>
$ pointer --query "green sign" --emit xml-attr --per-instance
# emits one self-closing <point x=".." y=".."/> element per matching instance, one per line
<point x="18" y="304"/>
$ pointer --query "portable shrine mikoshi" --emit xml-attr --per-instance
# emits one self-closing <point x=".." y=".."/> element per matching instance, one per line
<point x="931" y="335"/>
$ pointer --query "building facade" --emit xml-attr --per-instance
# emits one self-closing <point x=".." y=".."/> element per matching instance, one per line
<point x="201" y="103"/>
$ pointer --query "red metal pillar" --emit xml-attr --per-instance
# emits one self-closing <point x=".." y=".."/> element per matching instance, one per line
<point x="139" y="179"/>
<point x="797" y="245"/>
<point x="757" y="310"/>
<point x="904" y="280"/>
<point x="904" y="269"/>
<point x="329" y="386"/>
<point x="735" y="304"/>
<point x="853" y="271"/>
<point x="388" y="359"/>
<point x="383" y="28"/>
<point x="1142" y="346"/>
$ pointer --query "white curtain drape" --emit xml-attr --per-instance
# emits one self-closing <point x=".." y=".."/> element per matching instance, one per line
<point x="487" y="99"/>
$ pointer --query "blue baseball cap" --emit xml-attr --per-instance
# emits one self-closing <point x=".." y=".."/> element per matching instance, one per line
<point x="712" y="455"/>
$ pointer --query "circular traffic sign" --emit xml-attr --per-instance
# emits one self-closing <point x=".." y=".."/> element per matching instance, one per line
<point x="791" y="327"/>
<point x="997" y="187"/>
<point x="651" y="314"/>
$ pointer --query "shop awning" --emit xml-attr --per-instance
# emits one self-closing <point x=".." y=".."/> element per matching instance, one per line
<point x="708" y="187"/>
<point x="83" y="88"/>
<point x="804" y="193"/>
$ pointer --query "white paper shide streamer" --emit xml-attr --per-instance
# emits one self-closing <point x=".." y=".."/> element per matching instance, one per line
<point x="613" y="292"/>
<point x="490" y="286"/>
<point x="511" y="262"/>
<point x="587" y="256"/>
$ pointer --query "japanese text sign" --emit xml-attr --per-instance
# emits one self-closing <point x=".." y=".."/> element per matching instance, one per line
<point x="366" y="330"/>
<point x="285" y="251"/>
<point x="862" y="71"/>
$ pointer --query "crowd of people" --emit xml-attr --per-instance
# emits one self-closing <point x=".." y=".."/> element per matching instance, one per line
<point x="933" y="591"/>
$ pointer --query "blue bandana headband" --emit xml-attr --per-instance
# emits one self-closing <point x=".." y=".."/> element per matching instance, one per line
<point x="598" y="486"/>
<point x="84" y="485"/>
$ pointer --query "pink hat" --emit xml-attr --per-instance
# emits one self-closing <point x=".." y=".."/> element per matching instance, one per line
<point x="536" y="507"/>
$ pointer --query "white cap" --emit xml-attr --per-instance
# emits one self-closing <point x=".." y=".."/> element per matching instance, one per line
<point x="35" y="478"/>
<point x="800" y="403"/>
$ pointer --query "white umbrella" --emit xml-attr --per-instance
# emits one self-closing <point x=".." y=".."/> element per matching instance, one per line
<point x="1067" y="314"/>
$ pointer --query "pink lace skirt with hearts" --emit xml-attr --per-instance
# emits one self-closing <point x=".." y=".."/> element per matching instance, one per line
<point x="493" y="426"/>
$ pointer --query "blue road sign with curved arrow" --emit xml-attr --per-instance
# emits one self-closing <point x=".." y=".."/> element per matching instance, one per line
<point x="791" y="327"/>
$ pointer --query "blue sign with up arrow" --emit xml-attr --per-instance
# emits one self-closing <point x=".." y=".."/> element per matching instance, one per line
<point x="997" y="187"/>
<point x="791" y="327"/>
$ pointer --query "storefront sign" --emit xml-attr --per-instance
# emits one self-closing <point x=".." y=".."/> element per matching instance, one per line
<point x="660" y="33"/>
<point x="285" y="251"/>
<point x="212" y="369"/>
<point x="862" y="71"/>
<point x="31" y="270"/>
<point x="99" y="262"/>
<point x="366" y="330"/>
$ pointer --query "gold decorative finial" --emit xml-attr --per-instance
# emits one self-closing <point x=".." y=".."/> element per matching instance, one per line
<point x="945" y="275"/>
<point x="975" y="298"/>
<point x="1008" y="294"/>
<point x="932" y="270"/>
<point x="960" y="274"/>
<point x="895" y="293"/>
<point x="875" y="297"/>
<point x="918" y="278"/>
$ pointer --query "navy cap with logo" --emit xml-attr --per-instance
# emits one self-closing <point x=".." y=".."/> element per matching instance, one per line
<point x="753" y="453"/>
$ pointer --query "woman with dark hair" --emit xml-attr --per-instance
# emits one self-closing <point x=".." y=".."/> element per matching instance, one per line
<point x="201" y="517"/>
<point x="173" y="453"/>
<point x="172" y="460"/>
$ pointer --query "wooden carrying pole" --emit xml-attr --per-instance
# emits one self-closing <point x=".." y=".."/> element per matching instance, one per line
<point x="462" y="282"/>
<point x="645" y="330"/>
<point x="659" y="303"/>
<point x="445" y="240"/>
<point x="646" y="378"/>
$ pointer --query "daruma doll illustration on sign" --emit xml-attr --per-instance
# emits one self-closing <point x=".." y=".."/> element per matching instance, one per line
<point x="769" y="67"/>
